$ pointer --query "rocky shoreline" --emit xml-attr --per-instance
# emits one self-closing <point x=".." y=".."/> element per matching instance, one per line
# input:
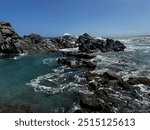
<point x="108" y="91"/>
<point x="11" y="43"/>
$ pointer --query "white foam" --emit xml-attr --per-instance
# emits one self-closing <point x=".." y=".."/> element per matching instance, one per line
<point x="56" y="78"/>
<point x="69" y="49"/>
<point x="23" y="54"/>
<point x="16" y="57"/>
<point x="99" y="38"/>
<point x="125" y="40"/>
<point x="48" y="61"/>
<point x="67" y="34"/>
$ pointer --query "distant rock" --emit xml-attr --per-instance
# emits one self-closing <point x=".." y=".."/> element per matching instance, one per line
<point x="112" y="45"/>
<point x="89" y="44"/>
<point x="67" y="41"/>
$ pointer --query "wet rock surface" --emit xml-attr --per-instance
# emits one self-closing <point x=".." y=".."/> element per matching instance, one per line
<point x="77" y="63"/>
<point x="110" y="93"/>
<point x="139" y="80"/>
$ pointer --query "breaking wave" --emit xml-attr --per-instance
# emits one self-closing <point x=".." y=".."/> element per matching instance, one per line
<point x="59" y="80"/>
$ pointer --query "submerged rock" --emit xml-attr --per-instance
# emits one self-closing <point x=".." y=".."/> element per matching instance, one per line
<point x="17" y="109"/>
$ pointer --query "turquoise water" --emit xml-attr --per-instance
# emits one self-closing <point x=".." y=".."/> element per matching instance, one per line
<point x="39" y="81"/>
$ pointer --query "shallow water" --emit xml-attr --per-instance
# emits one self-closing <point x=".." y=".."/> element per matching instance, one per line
<point x="39" y="81"/>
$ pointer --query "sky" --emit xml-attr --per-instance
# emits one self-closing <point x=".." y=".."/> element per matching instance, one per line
<point x="96" y="17"/>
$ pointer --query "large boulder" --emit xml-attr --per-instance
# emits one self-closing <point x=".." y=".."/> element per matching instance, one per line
<point x="112" y="45"/>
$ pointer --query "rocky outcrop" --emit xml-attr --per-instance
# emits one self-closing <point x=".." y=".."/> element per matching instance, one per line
<point x="77" y="63"/>
<point x="66" y="41"/>
<point x="139" y="80"/>
<point x="89" y="44"/>
<point x="110" y="93"/>
<point x="12" y="43"/>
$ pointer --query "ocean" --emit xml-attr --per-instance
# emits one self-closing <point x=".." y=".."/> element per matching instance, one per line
<point x="39" y="81"/>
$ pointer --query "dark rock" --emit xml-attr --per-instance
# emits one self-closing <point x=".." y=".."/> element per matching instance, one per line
<point x="93" y="103"/>
<point x="34" y="38"/>
<point x="4" y="24"/>
<point x="90" y="101"/>
<point x="80" y="55"/>
<point x="112" y="45"/>
<point x="77" y="63"/>
<point x="109" y="76"/>
<point x="7" y="32"/>
<point x="86" y="43"/>
<point x="2" y="40"/>
<point x="67" y="41"/>
<point x="139" y="80"/>
<point x="64" y="61"/>
<point x="93" y="85"/>
<point x="7" y="35"/>
<point x="90" y="76"/>
<point x="89" y="44"/>
<point x="110" y="93"/>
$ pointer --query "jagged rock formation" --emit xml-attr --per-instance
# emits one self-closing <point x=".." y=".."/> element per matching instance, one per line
<point x="110" y="93"/>
<point x="12" y="43"/>
<point x="89" y="44"/>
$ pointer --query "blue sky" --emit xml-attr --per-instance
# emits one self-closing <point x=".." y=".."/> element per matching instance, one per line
<point x="97" y="17"/>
